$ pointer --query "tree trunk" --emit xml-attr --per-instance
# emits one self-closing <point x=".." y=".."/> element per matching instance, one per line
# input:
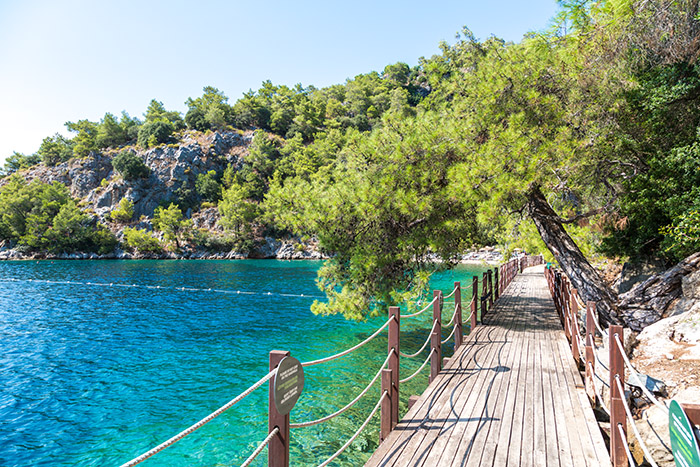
<point x="583" y="276"/>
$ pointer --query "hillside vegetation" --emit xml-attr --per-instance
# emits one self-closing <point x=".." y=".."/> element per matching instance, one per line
<point x="581" y="140"/>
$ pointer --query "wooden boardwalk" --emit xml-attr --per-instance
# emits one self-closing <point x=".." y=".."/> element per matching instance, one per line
<point x="511" y="396"/>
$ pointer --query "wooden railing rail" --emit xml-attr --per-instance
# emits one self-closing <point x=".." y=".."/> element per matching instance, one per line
<point x="567" y="302"/>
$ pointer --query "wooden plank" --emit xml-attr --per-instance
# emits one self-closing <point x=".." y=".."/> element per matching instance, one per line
<point x="499" y="430"/>
<point x="482" y="419"/>
<point x="470" y="390"/>
<point x="412" y="423"/>
<point x="475" y="414"/>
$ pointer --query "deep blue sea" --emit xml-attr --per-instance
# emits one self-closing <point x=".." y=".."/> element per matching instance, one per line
<point x="95" y="374"/>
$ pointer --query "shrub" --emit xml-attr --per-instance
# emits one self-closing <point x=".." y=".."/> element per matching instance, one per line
<point x="124" y="212"/>
<point x="155" y="133"/>
<point x="208" y="187"/>
<point x="142" y="241"/>
<point x="130" y="166"/>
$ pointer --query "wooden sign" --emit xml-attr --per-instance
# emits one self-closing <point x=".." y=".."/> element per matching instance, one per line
<point x="684" y="443"/>
<point x="289" y="382"/>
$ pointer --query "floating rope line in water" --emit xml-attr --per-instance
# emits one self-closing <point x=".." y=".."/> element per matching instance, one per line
<point x="161" y="287"/>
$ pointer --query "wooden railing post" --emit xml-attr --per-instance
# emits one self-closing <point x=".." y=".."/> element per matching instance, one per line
<point x="617" y="409"/>
<point x="387" y="405"/>
<point x="459" y="334"/>
<point x="394" y="344"/>
<point x="490" y="276"/>
<point x="575" y="328"/>
<point x="436" y="336"/>
<point x="566" y="307"/>
<point x="474" y="302"/>
<point x="278" y="449"/>
<point x="497" y="284"/>
<point x="590" y="351"/>
<point x="484" y="299"/>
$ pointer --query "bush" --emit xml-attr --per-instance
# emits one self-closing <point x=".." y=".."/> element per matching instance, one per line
<point x="142" y="241"/>
<point x="208" y="187"/>
<point x="124" y="212"/>
<point x="155" y="133"/>
<point x="130" y="166"/>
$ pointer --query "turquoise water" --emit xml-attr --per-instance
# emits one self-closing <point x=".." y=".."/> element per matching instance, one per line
<point x="96" y="375"/>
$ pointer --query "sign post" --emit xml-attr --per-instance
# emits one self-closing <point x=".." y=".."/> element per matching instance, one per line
<point x="684" y="442"/>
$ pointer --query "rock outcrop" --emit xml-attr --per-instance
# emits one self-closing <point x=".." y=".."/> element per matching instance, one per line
<point x="657" y="297"/>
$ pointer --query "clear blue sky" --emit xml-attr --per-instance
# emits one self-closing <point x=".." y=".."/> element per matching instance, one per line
<point x="65" y="60"/>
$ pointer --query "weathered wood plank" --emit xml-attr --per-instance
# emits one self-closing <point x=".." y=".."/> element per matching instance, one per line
<point x="476" y="413"/>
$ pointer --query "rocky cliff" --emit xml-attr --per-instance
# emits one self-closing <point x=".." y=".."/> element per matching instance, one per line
<point x="174" y="168"/>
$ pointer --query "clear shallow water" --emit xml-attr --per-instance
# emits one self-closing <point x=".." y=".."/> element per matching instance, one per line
<point x="95" y="375"/>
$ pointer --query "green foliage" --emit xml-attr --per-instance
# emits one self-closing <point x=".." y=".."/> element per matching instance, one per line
<point x="124" y="212"/>
<point x="18" y="161"/>
<point x="237" y="210"/>
<point x="156" y="112"/>
<point x="210" y="111"/>
<point x="170" y="221"/>
<point x="110" y="133"/>
<point x="208" y="187"/>
<point x="155" y="133"/>
<point x="85" y="140"/>
<point x="142" y="241"/>
<point x="130" y="166"/>
<point x="55" y="149"/>
<point x="43" y="217"/>
<point x="683" y="236"/>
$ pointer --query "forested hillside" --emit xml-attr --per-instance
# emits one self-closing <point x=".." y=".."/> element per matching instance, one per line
<point x="581" y="140"/>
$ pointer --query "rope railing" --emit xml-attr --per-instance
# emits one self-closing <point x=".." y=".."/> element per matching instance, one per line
<point x="425" y="344"/>
<point x="425" y="362"/>
<point x="597" y="391"/>
<point x="200" y="423"/>
<point x="454" y="315"/>
<point x="635" y="375"/>
<point x="625" y="444"/>
<point x="642" y="444"/>
<point x="357" y="433"/>
<point x="445" y="340"/>
<point x="276" y="437"/>
<point x="427" y="307"/>
<point x="451" y="293"/>
<point x="350" y="350"/>
<point x="350" y="404"/>
<point x="260" y="448"/>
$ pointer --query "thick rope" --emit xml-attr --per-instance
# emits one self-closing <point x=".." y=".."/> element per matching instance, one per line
<point x="647" y="454"/>
<point x="200" y="423"/>
<point x="454" y="328"/>
<point x="633" y="373"/>
<point x="626" y="445"/>
<point x="357" y="433"/>
<point x="350" y="350"/>
<point x="597" y="391"/>
<point x="419" y="369"/>
<point x="427" y="307"/>
<point x="451" y="293"/>
<point x="454" y="315"/>
<point x="425" y="344"/>
<point x="260" y="448"/>
<point x="353" y="402"/>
